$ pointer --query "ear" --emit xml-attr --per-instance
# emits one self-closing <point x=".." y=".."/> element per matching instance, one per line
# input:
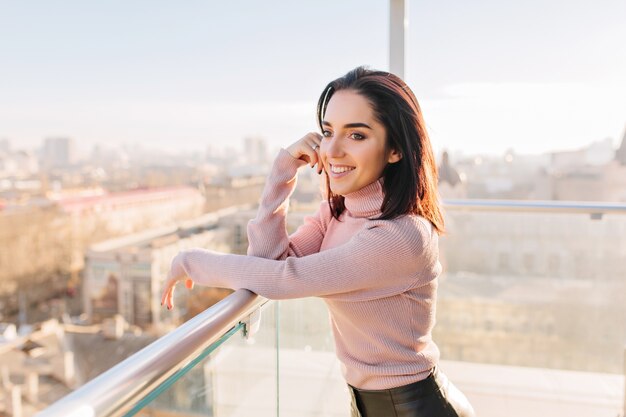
<point x="394" y="156"/>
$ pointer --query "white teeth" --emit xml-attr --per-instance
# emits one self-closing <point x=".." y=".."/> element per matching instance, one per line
<point x="339" y="170"/>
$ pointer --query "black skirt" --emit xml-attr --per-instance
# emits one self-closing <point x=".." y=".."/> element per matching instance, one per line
<point x="434" y="396"/>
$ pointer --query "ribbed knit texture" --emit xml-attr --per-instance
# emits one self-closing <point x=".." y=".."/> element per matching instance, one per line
<point x="378" y="277"/>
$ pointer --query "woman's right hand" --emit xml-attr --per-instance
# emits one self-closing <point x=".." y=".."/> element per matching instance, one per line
<point x="175" y="275"/>
<point x="307" y="149"/>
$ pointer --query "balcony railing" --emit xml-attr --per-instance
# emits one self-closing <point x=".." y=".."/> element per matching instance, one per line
<point x="126" y="387"/>
<point x="522" y="279"/>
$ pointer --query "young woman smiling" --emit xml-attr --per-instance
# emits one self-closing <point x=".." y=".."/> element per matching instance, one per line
<point x="370" y="251"/>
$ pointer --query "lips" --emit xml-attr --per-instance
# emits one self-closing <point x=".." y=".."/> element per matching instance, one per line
<point x="337" y="172"/>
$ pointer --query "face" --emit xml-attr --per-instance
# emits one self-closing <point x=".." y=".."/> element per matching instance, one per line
<point x="354" y="148"/>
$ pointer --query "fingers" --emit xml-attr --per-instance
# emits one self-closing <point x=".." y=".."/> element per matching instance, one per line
<point x="168" y="289"/>
<point x="164" y="293"/>
<point x="313" y="141"/>
<point x="167" y="297"/>
<point x="175" y="274"/>
<point x="318" y="160"/>
<point x="314" y="157"/>
<point x="307" y="148"/>
<point x="168" y="293"/>
<point x="170" y="299"/>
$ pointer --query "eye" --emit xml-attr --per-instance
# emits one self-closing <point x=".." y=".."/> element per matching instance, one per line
<point x="357" y="136"/>
<point x="327" y="133"/>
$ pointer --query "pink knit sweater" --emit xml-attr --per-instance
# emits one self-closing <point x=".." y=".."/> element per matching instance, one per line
<point x="378" y="277"/>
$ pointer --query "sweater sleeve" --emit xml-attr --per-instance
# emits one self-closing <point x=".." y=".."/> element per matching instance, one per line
<point x="267" y="232"/>
<point x="386" y="258"/>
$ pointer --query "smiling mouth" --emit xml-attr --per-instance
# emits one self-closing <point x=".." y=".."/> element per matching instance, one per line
<point x="340" y="169"/>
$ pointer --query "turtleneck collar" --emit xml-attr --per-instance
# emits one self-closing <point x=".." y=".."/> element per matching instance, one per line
<point x="367" y="201"/>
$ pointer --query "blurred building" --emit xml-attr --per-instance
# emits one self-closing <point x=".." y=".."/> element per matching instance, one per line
<point x="45" y="241"/>
<point x="594" y="173"/>
<point x="526" y="289"/>
<point x="39" y="367"/>
<point x="129" y="211"/>
<point x="18" y="165"/>
<point x="255" y="151"/>
<point x="226" y="191"/>
<point x="535" y="245"/>
<point x="36" y="369"/>
<point x="99" y="217"/>
<point x="597" y="153"/>
<point x="34" y="249"/>
<point x="5" y="146"/>
<point x="508" y="176"/>
<point x="58" y="152"/>
<point x="125" y="276"/>
<point x="532" y="322"/>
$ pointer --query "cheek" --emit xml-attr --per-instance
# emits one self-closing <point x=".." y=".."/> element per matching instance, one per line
<point x="371" y="157"/>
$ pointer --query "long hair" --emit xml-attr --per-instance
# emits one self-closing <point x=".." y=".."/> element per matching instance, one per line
<point x="409" y="185"/>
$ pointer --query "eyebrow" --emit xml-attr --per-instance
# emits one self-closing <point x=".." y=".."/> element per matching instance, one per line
<point x="349" y="125"/>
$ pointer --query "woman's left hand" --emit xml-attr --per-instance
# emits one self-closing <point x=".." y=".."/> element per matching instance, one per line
<point x="174" y="276"/>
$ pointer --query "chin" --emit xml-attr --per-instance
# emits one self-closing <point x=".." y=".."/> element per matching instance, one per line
<point x="341" y="192"/>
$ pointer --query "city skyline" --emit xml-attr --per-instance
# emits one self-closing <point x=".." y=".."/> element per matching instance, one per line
<point x="83" y="152"/>
<point x="489" y="76"/>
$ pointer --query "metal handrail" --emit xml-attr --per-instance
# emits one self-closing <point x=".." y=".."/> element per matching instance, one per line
<point x="115" y="391"/>
<point x="554" y="206"/>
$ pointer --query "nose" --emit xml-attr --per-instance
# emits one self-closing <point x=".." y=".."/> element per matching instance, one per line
<point x="333" y="148"/>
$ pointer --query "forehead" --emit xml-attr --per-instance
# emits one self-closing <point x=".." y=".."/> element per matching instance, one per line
<point x="346" y="106"/>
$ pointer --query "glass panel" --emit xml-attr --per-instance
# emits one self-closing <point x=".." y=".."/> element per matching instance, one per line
<point x="236" y="378"/>
<point x="311" y="384"/>
<point x="534" y="289"/>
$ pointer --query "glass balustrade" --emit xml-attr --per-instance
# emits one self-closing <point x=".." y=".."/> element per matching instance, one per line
<point x="535" y="289"/>
<point x="311" y="384"/>
<point x="235" y="376"/>
<point x="526" y="297"/>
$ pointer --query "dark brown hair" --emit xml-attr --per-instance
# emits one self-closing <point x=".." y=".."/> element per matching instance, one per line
<point x="409" y="185"/>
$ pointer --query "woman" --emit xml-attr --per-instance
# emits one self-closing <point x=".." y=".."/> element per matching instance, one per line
<point x="370" y="251"/>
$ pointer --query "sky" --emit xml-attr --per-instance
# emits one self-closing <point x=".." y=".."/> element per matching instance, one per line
<point x="532" y="76"/>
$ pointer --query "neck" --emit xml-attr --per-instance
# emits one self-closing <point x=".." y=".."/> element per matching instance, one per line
<point x="365" y="202"/>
